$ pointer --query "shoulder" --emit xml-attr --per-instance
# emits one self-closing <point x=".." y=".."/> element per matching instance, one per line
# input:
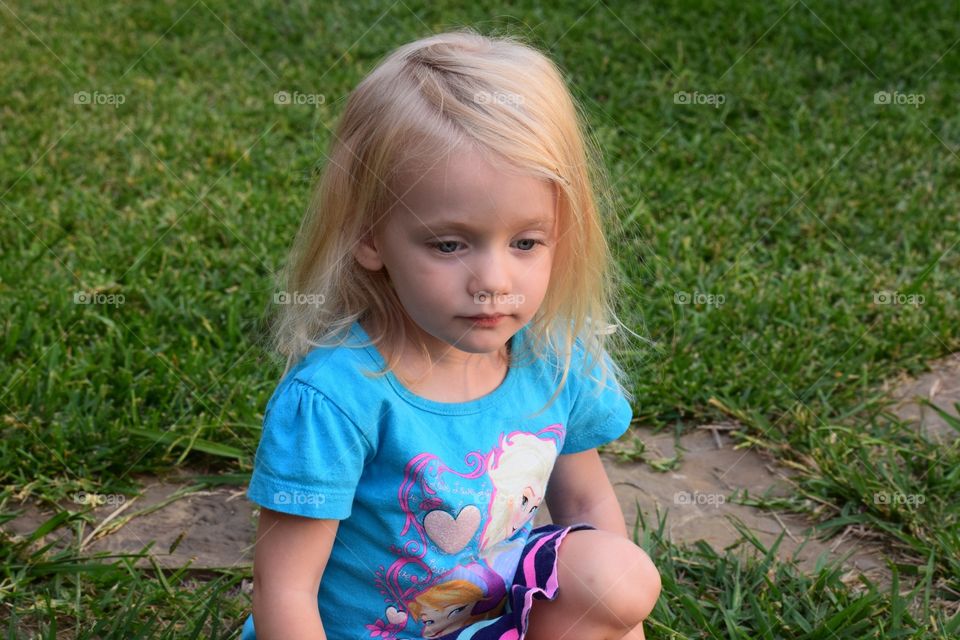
<point x="339" y="377"/>
<point x="339" y="368"/>
<point x="599" y="411"/>
<point x="583" y="370"/>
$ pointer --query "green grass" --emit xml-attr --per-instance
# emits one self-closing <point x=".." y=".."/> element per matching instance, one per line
<point x="48" y="593"/>
<point x="748" y="593"/>
<point x="797" y="200"/>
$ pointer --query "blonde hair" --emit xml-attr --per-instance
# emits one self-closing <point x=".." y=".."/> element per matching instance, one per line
<point x="525" y="460"/>
<point x="423" y="101"/>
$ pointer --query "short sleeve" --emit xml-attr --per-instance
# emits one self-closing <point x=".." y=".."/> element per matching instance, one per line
<point x="598" y="416"/>
<point x="310" y="455"/>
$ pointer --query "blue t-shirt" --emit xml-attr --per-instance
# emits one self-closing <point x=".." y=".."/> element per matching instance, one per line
<point x="436" y="499"/>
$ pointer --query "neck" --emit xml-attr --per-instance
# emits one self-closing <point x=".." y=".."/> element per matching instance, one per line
<point x="442" y="358"/>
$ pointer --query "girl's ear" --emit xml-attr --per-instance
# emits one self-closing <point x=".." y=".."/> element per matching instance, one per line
<point x="366" y="252"/>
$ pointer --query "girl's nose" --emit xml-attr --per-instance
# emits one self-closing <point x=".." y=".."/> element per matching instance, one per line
<point x="490" y="275"/>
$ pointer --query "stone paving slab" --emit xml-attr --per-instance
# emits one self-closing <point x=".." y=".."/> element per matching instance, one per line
<point x="697" y="499"/>
<point x="941" y="387"/>
<point x="210" y="528"/>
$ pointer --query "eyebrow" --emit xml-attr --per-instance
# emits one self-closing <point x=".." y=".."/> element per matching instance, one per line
<point x="453" y="225"/>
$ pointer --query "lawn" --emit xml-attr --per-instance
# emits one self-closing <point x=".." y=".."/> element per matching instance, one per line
<point x="788" y="241"/>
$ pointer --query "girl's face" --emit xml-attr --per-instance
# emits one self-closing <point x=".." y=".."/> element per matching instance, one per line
<point x="439" y="621"/>
<point x="465" y="239"/>
<point x="522" y="508"/>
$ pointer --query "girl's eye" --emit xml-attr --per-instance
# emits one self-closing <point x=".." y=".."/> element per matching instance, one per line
<point x="532" y="243"/>
<point x="445" y="246"/>
<point x="450" y="246"/>
<point x="457" y="610"/>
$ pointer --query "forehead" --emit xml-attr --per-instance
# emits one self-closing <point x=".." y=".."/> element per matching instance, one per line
<point x="464" y="187"/>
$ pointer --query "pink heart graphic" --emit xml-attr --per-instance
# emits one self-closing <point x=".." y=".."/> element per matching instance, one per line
<point x="449" y="533"/>
<point x="396" y="617"/>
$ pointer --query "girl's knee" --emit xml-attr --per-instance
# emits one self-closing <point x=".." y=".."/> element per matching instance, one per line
<point x="642" y="582"/>
<point x="617" y="580"/>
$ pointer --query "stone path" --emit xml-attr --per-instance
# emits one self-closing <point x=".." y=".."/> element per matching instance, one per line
<point x="697" y="498"/>
<point x="941" y="387"/>
<point x="214" y="528"/>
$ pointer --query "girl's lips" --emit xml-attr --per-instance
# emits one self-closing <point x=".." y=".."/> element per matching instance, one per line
<point x="486" y="321"/>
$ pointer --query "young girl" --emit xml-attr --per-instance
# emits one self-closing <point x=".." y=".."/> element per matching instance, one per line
<point x="446" y="373"/>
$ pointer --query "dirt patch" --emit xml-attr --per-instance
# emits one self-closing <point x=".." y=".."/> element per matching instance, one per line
<point x="210" y="528"/>
<point x="214" y="528"/>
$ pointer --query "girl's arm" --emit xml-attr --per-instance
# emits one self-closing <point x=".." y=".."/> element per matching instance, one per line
<point x="289" y="559"/>
<point x="580" y="491"/>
